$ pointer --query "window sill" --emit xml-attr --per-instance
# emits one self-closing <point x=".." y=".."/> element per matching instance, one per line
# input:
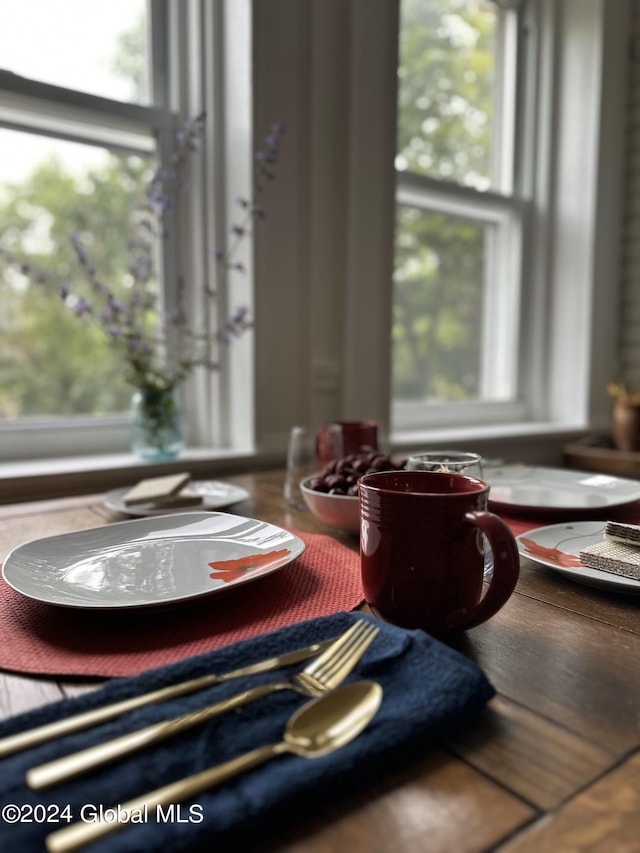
<point x="41" y="479"/>
<point x="538" y="444"/>
<point x="534" y="443"/>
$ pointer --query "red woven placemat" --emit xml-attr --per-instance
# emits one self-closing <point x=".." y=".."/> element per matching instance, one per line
<point x="43" y="639"/>
<point x="521" y="524"/>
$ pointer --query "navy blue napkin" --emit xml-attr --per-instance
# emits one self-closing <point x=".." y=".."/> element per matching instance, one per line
<point x="429" y="690"/>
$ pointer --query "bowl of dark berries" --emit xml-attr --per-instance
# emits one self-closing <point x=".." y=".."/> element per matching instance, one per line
<point x="332" y="494"/>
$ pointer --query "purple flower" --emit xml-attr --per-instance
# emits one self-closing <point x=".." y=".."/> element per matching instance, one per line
<point x="112" y="309"/>
<point x="159" y="349"/>
<point x="81" y="307"/>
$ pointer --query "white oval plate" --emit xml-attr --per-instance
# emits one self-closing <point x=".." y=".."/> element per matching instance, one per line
<point x="526" y="487"/>
<point x="149" y="562"/>
<point x="215" y="495"/>
<point x="558" y="547"/>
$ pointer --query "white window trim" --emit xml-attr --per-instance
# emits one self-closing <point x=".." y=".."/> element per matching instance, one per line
<point x="216" y="47"/>
<point x="574" y="260"/>
<point x="324" y="263"/>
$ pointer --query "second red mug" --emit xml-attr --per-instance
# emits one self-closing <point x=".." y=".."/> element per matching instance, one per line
<point x="356" y="436"/>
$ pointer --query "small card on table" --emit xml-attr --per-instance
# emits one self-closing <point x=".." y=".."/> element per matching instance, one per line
<point x="158" y="490"/>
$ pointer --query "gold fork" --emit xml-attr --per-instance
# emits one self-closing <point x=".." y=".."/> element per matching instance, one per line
<point x="321" y="675"/>
<point x="86" y="719"/>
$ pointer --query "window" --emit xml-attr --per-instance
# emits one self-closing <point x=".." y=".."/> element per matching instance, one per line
<point x="78" y="143"/>
<point x="459" y="224"/>
<point x="83" y="122"/>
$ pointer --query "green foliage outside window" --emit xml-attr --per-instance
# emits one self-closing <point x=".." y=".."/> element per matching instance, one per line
<point x="50" y="362"/>
<point x="447" y="50"/>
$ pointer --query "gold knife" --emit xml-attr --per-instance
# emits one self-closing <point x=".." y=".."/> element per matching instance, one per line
<point x="25" y="740"/>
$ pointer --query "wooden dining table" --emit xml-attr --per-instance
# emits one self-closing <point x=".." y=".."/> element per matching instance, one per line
<point x="553" y="762"/>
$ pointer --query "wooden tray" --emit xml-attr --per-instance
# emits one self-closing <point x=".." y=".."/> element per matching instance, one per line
<point x="597" y="453"/>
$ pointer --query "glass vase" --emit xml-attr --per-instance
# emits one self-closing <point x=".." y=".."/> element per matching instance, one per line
<point x="157" y="427"/>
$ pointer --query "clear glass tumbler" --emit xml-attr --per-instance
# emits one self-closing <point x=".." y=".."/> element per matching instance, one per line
<point x="302" y="458"/>
<point x="456" y="462"/>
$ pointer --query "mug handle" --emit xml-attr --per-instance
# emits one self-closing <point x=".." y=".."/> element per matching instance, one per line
<point x="506" y="570"/>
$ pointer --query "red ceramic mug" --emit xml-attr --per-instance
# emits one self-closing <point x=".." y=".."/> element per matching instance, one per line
<point x="422" y="550"/>
<point x="356" y="436"/>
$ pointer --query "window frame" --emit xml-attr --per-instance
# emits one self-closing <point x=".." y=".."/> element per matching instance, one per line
<point x="503" y="212"/>
<point x="569" y="177"/>
<point x="53" y="111"/>
<point x="190" y="72"/>
<point x="504" y="217"/>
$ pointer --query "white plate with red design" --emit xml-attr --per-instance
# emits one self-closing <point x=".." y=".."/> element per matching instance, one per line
<point x="150" y="562"/>
<point x="558" y="547"/>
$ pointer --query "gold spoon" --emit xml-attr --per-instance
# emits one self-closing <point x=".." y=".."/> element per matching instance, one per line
<point x="318" y="728"/>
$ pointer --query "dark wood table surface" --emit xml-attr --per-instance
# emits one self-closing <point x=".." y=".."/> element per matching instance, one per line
<point x="553" y="764"/>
